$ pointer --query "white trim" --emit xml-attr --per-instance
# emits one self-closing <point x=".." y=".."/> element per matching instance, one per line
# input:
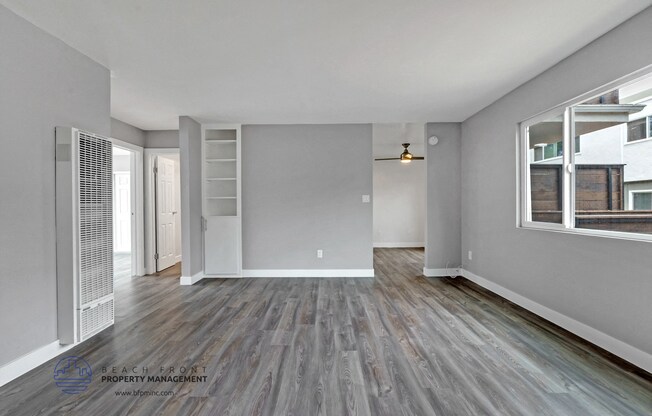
<point x="222" y="276"/>
<point x="400" y="245"/>
<point x="625" y="351"/>
<point x="451" y="272"/>
<point x="308" y="273"/>
<point x="191" y="280"/>
<point x="31" y="360"/>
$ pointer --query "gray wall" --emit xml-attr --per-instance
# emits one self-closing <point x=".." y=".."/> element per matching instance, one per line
<point x="191" y="204"/>
<point x="443" y="212"/>
<point x="302" y="191"/>
<point x="44" y="83"/>
<point x="161" y="138"/>
<point x="127" y="133"/>
<point x="601" y="282"/>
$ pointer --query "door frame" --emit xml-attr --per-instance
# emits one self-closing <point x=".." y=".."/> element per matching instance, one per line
<point x="137" y="203"/>
<point x="150" y="204"/>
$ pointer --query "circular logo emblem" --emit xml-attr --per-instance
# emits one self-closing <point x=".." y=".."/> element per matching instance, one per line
<point x="72" y="375"/>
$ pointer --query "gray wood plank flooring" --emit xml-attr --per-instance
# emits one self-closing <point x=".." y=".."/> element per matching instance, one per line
<point x="398" y="344"/>
<point x="121" y="266"/>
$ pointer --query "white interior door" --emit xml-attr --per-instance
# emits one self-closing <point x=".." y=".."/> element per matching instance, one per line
<point x="165" y="214"/>
<point x="121" y="212"/>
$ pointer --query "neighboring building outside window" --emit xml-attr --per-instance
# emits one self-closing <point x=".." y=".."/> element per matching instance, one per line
<point x="639" y="129"/>
<point x="553" y="150"/>
<point x="642" y="200"/>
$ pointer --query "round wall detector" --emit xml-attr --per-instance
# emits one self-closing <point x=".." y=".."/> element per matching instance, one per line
<point x="433" y="140"/>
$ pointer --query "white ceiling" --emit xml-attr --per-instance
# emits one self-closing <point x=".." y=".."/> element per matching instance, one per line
<point x="303" y="61"/>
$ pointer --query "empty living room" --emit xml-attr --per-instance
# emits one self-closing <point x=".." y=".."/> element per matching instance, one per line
<point x="326" y="207"/>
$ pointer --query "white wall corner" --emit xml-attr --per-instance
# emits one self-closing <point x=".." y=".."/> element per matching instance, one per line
<point x="30" y="361"/>
<point x="447" y="272"/>
<point x="191" y="280"/>
<point x="625" y="351"/>
<point x="308" y="273"/>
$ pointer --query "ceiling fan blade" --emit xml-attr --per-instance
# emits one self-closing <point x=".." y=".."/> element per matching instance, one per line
<point x="418" y="158"/>
<point x="389" y="158"/>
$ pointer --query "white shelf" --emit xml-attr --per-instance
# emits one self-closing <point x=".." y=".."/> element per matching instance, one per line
<point x="220" y="197"/>
<point x="221" y="179"/>
<point x="218" y="141"/>
<point x="219" y="160"/>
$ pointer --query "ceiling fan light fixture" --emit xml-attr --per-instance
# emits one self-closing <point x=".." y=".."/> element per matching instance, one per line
<point x="406" y="156"/>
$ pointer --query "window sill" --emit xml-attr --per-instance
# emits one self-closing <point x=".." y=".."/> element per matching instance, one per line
<point x="559" y="228"/>
<point x="648" y="139"/>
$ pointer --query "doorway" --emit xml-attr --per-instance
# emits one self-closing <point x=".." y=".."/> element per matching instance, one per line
<point x="127" y="217"/>
<point x="399" y="189"/>
<point x="163" y="203"/>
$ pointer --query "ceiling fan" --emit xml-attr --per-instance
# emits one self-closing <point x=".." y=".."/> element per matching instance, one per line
<point x="405" y="157"/>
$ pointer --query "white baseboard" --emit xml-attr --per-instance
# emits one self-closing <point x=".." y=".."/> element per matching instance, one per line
<point x="191" y="280"/>
<point x="222" y="276"/>
<point x="30" y="361"/>
<point x="400" y="245"/>
<point x="452" y="271"/>
<point x="625" y="351"/>
<point x="177" y="258"/>
<point x="308" y="273"/>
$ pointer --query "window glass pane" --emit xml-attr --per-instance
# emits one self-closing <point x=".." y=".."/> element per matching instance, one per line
<point x="636" y="130"/>
<point x="642" y="201"/>
<point x="545" y="175"/>
<point x="608" y="171"/>
<point x="559" y="148"/>
<point x="550" y="151"/>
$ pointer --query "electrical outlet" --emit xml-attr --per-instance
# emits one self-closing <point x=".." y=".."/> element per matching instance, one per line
<point x="320" y="254"/>
<point x="366" y="199"/>
<point x="470" y="255"/>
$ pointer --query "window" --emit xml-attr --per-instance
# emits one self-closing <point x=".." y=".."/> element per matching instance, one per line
<point x="545" y="186"/>
<point x="607" y="188"/>
<point x="642" y="200"/>
<point x="637" y="130"/>
<point x="545" y="151"/>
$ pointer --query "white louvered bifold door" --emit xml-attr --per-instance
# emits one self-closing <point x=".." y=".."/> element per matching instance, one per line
<point x="95" y="234"/>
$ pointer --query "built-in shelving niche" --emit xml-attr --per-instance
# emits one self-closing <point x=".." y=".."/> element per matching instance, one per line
<point x="221" y="205"/>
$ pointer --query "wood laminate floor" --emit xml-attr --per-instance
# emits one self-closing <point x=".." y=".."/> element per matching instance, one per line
<point x="399" y="344"/>
<point x="121" y="266"/>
